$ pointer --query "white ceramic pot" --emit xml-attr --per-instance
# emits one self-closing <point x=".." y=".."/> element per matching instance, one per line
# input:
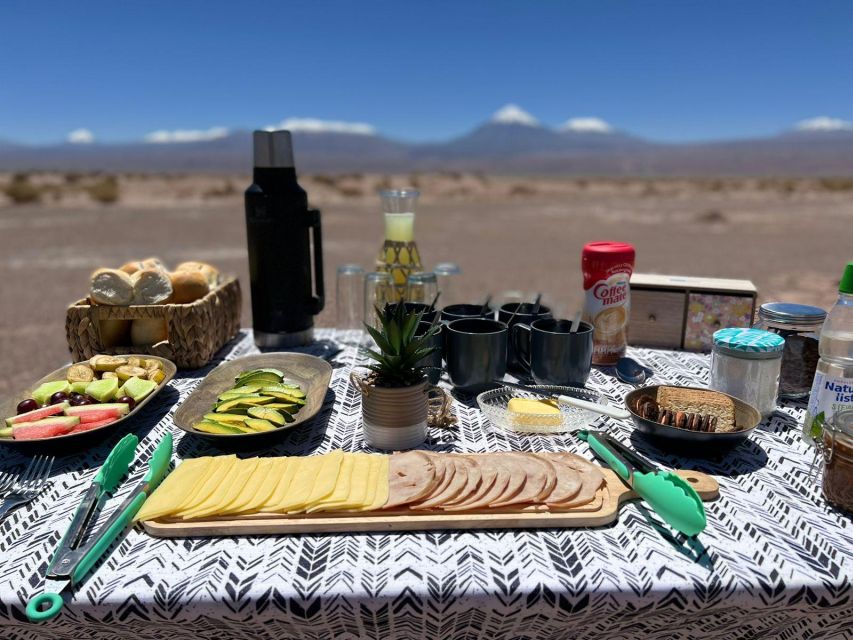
<point x="395" y="418"/>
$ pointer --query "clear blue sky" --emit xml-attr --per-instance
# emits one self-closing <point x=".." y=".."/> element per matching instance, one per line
<point x="677" y="70"/>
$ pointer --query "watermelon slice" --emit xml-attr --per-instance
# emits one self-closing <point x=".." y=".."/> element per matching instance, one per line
<point x="37" y="414"/>
<point x="95" y="412"/>
<point x="45" y="428"/>
<point x="88" y="426"/>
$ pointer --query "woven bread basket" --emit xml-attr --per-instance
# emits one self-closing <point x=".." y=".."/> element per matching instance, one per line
<point x="196" y="331"/>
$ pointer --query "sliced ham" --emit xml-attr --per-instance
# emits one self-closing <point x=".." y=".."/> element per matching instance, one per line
<point x="411" y="476"/>
<point x="458" y="481"/>
<point x="591" y="478"/>
<point x="535" y="474"/>
<point x="494" y="481"/>
<point x="475" y="477"/>
<point x="568" y="483"/>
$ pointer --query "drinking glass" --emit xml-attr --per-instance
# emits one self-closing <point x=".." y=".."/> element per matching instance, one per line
<point x="422" y="287"/>
<point x="349" y="303"/>
<point x="448" y="274"/>
<point x="379" y="290"/>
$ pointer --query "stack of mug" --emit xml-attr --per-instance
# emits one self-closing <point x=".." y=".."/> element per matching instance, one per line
<point x="479" y="345"/>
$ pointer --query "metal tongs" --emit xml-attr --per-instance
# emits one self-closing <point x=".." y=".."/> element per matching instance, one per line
<point x="73" y="559"/>
<point x="667" y="493"/>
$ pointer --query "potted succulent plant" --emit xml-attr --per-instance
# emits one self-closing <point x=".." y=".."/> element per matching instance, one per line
<point x="395" y="393"/>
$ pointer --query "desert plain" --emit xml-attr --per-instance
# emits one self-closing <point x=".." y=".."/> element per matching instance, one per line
<point x="791" y="237"/>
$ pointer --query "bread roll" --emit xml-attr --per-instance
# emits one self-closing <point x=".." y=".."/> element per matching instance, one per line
<point x="148" y="331"/>
<point x="132" y="267"/>
<point x="210" y="272"/>
<point x="111" y="286"/>
<point x="153" y="263"/>
<point x="115" y="333"/>
<point x="151" y="286"/>
<point x="188" y="286"/>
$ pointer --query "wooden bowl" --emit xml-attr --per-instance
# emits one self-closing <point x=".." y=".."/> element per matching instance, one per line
<point x="699" y="443"/>
<point x="312" y="374"/>
<point x="73" y="442"/>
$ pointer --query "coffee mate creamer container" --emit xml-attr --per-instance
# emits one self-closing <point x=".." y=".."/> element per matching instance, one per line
<point x="607" y="268"/>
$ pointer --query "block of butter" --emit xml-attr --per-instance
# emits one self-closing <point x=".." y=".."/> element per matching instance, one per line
<point x="534" y="413"/>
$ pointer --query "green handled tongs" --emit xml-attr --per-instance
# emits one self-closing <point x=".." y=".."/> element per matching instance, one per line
<point x="671" y="497"/>
<point x="73" y="560"/>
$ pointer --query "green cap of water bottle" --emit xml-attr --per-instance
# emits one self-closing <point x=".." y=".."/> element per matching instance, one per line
<point x="846" y="285"/>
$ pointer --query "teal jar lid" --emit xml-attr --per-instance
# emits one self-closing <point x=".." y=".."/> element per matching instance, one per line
<point x="749" y="343"/>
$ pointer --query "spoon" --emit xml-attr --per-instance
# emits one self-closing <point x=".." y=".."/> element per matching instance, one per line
<point x="485" y="306"/>
<point x="632" y="372"/>
<point x="536" y="304"/>
<point x="576" y="323"/>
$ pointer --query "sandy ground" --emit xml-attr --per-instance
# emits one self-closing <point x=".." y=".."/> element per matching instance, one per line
<point x="791" y="238"/>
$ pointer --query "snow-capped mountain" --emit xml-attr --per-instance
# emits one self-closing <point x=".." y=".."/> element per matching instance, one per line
<point x="510" y="141"/>
<point x="513" y="114"/>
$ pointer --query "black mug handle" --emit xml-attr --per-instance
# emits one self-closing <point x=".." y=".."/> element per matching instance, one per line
<point x="318" y="301"/>
<point x="522" y="353"/>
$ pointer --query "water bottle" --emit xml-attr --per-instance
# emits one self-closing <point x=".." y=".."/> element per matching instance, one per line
<point x="832" y="390"/>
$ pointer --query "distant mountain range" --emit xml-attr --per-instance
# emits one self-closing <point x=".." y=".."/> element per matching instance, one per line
<point x="511" y="142"/>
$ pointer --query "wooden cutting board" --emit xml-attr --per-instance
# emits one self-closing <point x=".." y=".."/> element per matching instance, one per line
<point x="603" y="510"/>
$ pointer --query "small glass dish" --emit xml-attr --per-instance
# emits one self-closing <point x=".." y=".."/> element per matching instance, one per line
<point x="494" y="405"/>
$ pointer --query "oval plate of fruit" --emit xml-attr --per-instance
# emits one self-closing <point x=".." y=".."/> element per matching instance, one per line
<point x="253" y="400"/>
<point x="79" y="402"/>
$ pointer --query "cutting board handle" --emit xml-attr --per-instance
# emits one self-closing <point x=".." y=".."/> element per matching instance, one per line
<point x="706" y="486"/>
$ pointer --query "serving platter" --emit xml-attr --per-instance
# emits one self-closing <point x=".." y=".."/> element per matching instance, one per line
<point x="698" y="443"/>
<point x="312" y="374"/>
<point x="75" y="441"/>
<point x="603" y="510"/>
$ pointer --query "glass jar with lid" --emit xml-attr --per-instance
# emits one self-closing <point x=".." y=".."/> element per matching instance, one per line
<point x="800" y="325"/>
<point x="837" y="450"/>
<point x="746" y="363"/>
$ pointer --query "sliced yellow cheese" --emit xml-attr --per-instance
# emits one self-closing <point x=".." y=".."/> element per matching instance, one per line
<point x="213" y="484"/>
<point x="382" y="485"/>
<point x="374" y="462"/>
<point x="228" y="491"/>
<point x="534" y="412"/>
<point x="325" y="481"/>
<point x="345" y="484"/>
<point x="259" y="486"/>
<point x="358" y="486"/>
<point x="212" y="464"/>
<point x="174" y="489"/>
<point x="340" y="490"/>
<point x="296" y="483"/>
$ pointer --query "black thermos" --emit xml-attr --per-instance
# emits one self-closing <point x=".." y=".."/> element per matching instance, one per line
<point x="287" y="284"/>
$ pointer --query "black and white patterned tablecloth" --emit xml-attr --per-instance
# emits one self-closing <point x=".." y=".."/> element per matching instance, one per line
<point x="774" y="562"/>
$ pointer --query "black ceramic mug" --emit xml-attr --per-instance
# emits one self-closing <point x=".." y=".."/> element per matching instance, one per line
<point x="433" y="361"/>
<point x="459" y="311"/>
<point x="523" y="315"/>
<point x="552" y="354"/>
<point x="475" y="351"/>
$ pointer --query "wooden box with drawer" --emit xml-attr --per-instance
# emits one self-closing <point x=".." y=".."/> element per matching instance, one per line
<point x="679" y="312"/>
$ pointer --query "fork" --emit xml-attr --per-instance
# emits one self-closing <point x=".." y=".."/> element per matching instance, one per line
<point x="29" y="485"/>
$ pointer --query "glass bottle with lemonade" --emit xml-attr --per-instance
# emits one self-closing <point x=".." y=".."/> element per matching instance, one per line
<point x="399" y="254"/>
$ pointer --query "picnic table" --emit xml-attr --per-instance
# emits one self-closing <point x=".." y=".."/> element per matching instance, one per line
<point x="774" y="561"/>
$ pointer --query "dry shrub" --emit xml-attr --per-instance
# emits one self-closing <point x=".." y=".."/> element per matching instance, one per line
<point x="227" y="189"/>
<point x="836" y="184"/>
<point x="105" y="190"/>
<point x="21" y="191"/>
<point x="350" y="191"/>
<point x="712" y="216"/>
<point x="522" y="190"/>
<point x="383" y="183"/>
<point x="328" y="181"/>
